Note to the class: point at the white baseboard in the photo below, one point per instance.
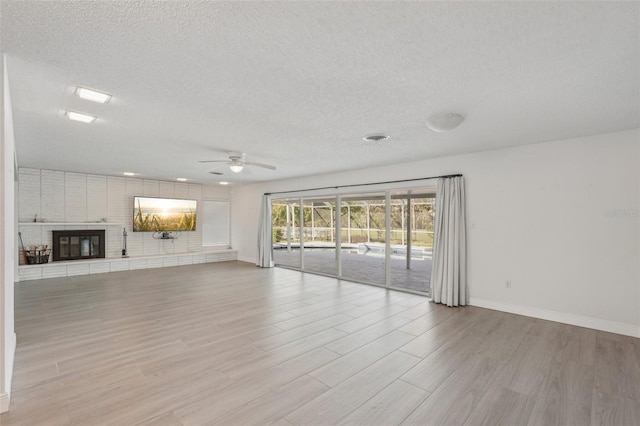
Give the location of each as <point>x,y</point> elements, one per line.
<point>4,402</point>
<point>246,259</point>
<point>5,397</point>
<point>578,320</point>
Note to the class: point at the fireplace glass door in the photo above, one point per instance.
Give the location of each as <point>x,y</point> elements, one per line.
<point>71,245</point>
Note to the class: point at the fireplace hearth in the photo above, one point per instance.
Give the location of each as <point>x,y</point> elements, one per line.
<point>78,244</point>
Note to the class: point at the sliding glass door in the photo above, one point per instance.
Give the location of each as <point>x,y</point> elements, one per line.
<point>319,231</point>
<point>285,232</point>
<point>384,238</point>
<point>364,237</point>
<point>411,240</point>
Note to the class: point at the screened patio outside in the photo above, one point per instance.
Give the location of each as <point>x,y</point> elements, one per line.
<point>362,221</point>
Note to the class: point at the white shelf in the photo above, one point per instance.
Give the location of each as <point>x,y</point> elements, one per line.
<point>68,223</point>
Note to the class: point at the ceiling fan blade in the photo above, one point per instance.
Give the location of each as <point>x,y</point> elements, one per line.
<point>215,161</point>
<point>218,168</point>
<point>264,166</point>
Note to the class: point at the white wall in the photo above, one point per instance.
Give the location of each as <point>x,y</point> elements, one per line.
<point>7,242</point>
<point>538,215</point>
<point>57,196</point>
<point>4,391</point>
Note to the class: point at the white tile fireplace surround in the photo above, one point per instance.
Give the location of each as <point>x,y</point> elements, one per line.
<point>76,201</point>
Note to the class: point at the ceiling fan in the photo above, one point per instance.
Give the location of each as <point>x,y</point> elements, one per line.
<point>237,162</point>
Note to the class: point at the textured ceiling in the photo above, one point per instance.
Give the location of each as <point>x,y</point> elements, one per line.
<point>298,84</point>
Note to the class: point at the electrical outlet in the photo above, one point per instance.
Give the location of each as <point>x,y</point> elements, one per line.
<point>507,284</point>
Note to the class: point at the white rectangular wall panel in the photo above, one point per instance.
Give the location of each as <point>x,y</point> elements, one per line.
<point>155,262</point>
<point>119,265</point>
<point>167,189</point>
<point>171,261</point>
<point>78,268</point>
<point>99,267</point>
<point>117,202</point>
<point>54,271</point>
<point>151,188</point>
<point>53,199</point>
<point>97,198</point>
<point>75,197</point>
<point>138,264</point>
<point>29,205</point>
<point>181,190</point>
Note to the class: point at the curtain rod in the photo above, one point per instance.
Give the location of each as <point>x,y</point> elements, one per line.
<point>364,184</point>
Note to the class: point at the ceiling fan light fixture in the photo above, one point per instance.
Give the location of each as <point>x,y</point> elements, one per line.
<point>444,122</point>
<point>237,162</point>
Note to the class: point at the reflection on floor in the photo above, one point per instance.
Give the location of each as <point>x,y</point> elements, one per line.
<point>361,267</point>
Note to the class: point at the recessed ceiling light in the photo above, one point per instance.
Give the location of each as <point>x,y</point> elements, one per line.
<point>444,122</point>
<point>83,118</point>
<point>128,173</point>
<point>182,179</point>
<point>92,95</point>
<point>376,137</point>
<point>224,183</point>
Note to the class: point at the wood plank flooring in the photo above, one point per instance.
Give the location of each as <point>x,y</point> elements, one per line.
<point>232,344</point>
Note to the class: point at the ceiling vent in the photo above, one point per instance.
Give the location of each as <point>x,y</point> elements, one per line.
<point>376,137</point>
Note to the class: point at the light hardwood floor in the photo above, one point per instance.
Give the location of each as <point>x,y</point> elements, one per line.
<point>232,344</point>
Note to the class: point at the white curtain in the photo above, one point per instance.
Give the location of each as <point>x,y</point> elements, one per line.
<point>265,246</point>
<point>449,270</point>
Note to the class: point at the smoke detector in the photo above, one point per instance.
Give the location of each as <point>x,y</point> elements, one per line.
<point>444,122</point>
